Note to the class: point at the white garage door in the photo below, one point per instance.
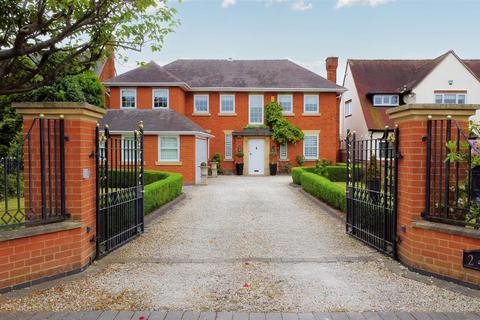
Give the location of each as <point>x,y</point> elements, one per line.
<point>200,156</point>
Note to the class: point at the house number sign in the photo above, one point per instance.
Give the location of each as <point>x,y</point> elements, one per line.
<point>471,259</point>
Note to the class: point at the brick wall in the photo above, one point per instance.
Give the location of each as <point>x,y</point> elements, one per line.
<point>31,254</point>
<point>432,251</point>
<point>326,122</point>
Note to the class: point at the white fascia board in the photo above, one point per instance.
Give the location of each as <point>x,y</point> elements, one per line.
<point>146,84</point>
<point>236,89</point>
<point>168,133</point>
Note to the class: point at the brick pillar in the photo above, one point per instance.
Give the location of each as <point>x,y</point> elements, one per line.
<point>414,248</point>
<point>80,178</point>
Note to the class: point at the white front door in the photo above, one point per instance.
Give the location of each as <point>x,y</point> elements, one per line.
<point>256,156</point>
<point>200,156</point>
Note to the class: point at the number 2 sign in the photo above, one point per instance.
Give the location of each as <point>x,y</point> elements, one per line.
<point>471,259</point>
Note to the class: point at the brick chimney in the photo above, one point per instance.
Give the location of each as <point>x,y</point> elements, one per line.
<point>331,64</point>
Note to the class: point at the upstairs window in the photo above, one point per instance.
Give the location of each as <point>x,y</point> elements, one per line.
<point>348,108</point>
<point>386,100</point>
<point>255,109</point>
<point>160,98</point>
<point>227,103</point>
<point>201,103</point>
<point>310,103</point>
<point>450,98</point>
<point>286,102</point>
<point>128,98</point>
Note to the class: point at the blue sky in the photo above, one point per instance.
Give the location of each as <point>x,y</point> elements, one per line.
<point>307,31</point>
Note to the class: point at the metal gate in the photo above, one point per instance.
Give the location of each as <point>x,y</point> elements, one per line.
<point>372,189</point>
<point>119,166</point>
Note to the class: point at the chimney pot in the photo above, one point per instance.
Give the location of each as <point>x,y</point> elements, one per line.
<point>331,64</point>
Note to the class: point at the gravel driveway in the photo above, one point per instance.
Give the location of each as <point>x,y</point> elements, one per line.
<point>245,244</point>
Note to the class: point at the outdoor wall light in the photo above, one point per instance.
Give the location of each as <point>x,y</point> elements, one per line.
<point>450,82</point>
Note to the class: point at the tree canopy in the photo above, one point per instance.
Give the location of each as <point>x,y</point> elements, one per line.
<point>42,41</point>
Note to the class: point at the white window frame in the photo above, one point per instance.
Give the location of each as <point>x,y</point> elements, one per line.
<point>134,95</point>
<point>220,102</point>
<point>291,102</point>
<point>283,156</point>
<point>305,103</point>
<point>229,149</point>
<point>316,135</point>
<point>249,109</point>
<point>129,158</point>
<point>442,94</point>
<point>386,104</point>
<point>153,98</point>
<point>195,97</point>
<point>347,109</point>
<point>160,149</point>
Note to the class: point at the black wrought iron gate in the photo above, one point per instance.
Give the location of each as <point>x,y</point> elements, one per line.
<point>119,163</point>
<point>372,189</point>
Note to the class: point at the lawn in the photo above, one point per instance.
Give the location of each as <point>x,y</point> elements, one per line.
<point>12,207</point>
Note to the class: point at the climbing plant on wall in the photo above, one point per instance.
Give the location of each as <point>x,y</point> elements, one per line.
<point>283,131</point>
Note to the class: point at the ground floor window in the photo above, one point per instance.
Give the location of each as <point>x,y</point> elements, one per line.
<point>283,152</point>
<point>310,146</point>
<point>129,149</point>
<point>228,146</point>
<point>168,148</point>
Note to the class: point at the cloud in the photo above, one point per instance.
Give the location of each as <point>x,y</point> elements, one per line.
<point>228,3</point>
<point>301,5</point>
<point>269,3</point>
<point>349,3</point>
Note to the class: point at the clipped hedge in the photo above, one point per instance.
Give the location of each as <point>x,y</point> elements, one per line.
<point>324,189</point>
<point>298,171</point>
<point>162,191</point>
<point>336,173</point>
<point>159,187</point>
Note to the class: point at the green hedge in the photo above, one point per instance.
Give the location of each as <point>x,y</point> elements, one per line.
<point>324,189</point>
<point>336,173</point>
<point>160,187</point>
<point>162,191</point>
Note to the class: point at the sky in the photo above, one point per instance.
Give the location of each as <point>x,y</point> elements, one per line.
<point>308,31</point>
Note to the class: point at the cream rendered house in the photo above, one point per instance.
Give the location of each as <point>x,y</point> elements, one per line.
<point>377,85</point>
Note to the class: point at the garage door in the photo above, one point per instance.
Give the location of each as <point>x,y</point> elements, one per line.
<point>200,156</point>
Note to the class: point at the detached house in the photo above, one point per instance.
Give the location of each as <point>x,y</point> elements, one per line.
<point>192,109</point>
<point>377,85</point>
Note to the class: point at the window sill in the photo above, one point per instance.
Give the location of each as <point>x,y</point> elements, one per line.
<point>168,163</point>
<point>447,228</point>
<point>227,114</point>
<point>158,108</point>
<point>38,230</point>
<point>311,159</point>
<point>228,160</point>
<point>288,114</point>
<point>283,160</point>
<point>201,114</point>
<point>312,114</point>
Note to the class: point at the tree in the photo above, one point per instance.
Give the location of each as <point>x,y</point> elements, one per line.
<point>45,40</point>
<point>283,131</point>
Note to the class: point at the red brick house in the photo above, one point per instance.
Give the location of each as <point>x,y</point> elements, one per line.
<point>193,109</point>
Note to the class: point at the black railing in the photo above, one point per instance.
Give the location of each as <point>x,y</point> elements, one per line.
<point>32,177</point>
<point>452,174</point>
<point>372,189</point>
<point>120,179</point>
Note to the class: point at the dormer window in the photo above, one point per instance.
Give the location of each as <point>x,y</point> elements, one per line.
<point>386,100</point>
<point>450,98</point>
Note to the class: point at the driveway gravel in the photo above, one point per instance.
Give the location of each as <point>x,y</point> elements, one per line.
<point>244,244</point>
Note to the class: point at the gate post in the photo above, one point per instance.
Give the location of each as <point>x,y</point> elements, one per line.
<point>419,246</point>
<point>79,125</point>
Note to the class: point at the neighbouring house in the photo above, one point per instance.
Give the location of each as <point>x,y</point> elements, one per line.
<point>375,86</point>
<point>192,109</point>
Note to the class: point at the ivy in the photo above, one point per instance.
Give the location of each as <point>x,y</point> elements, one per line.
<point>283,131</point>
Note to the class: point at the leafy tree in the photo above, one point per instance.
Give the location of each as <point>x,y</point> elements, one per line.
<point>42,41</point>
<point>283,131</point>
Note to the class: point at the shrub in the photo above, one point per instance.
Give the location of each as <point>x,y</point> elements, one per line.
<point>298,171</point>
<point>324,189</point>
<point>159,187</point>
<point>300,160</point>
<point>341,164</point>
<point>336,173</point>
<point>162,191</point>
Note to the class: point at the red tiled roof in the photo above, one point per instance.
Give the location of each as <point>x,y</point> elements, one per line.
<point>392,77</point>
